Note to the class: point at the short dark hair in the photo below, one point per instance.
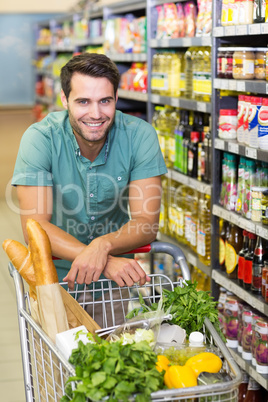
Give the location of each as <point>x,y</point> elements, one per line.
<point>92,64</point>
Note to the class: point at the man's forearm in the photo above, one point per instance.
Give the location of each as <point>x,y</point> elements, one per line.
<point>135,233</point>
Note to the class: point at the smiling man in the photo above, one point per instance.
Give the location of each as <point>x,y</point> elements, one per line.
<point>90,175</point>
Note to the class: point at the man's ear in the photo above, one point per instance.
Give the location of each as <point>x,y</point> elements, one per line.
<point>116,96</point>
<point>63,99</point>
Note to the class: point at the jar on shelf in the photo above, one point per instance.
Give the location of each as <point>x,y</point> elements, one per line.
<point>228,71</point>
<point>264,208</point>
<point>260,63</point>
<point>228,124</point>
<point>256,203</point>
<point>221,62</point>
<point>243,63</point>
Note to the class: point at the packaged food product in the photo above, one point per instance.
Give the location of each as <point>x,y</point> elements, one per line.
<point>243,63</point>
<point>228,72</point>
<point>247,102</point>
<point>221,61</point>
<point>263,125</point>
<point>171,20</point>
<point>256,197</point>
<point>264,208</point>
<point>255,105</point>
<point>260,63</point>
<point>247,334</point>
<point>240,118</point>
<point>228,123</point>
<point>231,320</point>
<point>261,329</point>
<point>246,12</point>
<point>190,13</point>
<point>256,317</point>
<point>224,12</point>
<point>180,20</point>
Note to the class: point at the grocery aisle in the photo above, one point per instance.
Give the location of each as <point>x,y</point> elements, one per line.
<point>13,123</point>
<point>11,376</point>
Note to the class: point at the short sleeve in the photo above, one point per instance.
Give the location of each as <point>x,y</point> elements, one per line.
<point>33,164</point>
<point>148,160</point>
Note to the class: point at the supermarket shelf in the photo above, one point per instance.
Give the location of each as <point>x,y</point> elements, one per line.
<point>63,48</point>
<point>183,103</point>
<point>128,57</point>
<point>45,100</point>
<point>190,256</point>
<point>236,148</point>
<point>257,86</point>
<point>44,71</point>
<point>181,42</point>
<point>241,30</point>
<point>236,219</point>
<point>203,188</point>
<point>233,286</point>
<point>123,6</point>
<point>134,95</point>
<point>88,41</point>
<point>247,366</point>
<point>42,48</point>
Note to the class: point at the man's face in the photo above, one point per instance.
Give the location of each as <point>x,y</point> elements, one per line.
<point>91,107</point>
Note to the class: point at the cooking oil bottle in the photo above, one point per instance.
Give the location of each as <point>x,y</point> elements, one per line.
<point>174,74</point>
<point>172,210</point>
<point>189,197</point>
<point>155,79</point>
<point>163,71</point>
<point>202,74</point>
<point>194,219</point>
<point>188,58</point>
<point>204,229</point>
<point>180,209</point>
<point>182,76</point>
<point>173,120</point>
<point>161,130</point>
<point>163,216</point>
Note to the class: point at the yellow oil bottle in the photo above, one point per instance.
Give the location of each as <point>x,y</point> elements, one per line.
<point>172,209</point>
<point>163,216</point>
<point>204,229</point>
<point>193,200</point>
<point>180,207</point>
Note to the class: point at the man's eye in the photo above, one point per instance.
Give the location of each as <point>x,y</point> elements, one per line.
<point>83,102</point>
<point>104,101</point>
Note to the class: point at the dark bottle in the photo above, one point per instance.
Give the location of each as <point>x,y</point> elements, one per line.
<point>241,258</point>
<point>259,11</point>
<point>222,239</point>
<point>243,387</point>
<point>233,246</point>
<point>248,261</point>
<point>257,265</point>
<point>207,151</point>
<point>193,154</point>
<point>254,392</point>
<point>201,158</point>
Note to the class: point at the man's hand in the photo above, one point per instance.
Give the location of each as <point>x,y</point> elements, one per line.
<point>89,264</point>
<point>125,271</point>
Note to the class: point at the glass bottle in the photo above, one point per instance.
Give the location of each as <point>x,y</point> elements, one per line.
<point>222,238</point>
<point>248,261</point>
<point>241,258</point>
<point>259,8</point>
<point>207,154</point>
<point>243,387</point>
<point>233,246</point>
<point>186,141</point>
<point>254,392</point>
<point>220,308</point>
<point>257,265</point>
<point>193,154</point>
<point>204,229</point>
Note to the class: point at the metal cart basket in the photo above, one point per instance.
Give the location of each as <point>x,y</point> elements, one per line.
<point>46,370</point>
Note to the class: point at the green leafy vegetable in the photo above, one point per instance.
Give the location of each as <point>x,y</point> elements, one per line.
<point>188,306</point>
<point>113,370</point>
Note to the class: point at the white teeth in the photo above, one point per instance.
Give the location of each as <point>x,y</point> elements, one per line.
<point>93,124</point>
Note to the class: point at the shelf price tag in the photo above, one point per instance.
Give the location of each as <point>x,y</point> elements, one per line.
<point>218,31</point>
<point>164,43</point>
<point>186,42</point>
<point>234,218</point>
<point>230,31</point>
<point>241,30</point>
<point>232,85</point>
<point>241,86</point>
<point>233,147</point>
<point>201,107</point>
<point>224,84</point>
<point>264,28</point>
<point>262,232</point>
<point>206,41</point>
<point>155,98</point>
<point>219,144</point>
<point>251,152</point>
<point>216,83</point>
<point>250,226</point>
<point>216,210</point>
<point>267,88</point>
<point>254,29</point>
<point>175,102</point>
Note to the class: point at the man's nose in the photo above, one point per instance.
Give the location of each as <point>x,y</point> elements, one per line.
<point>94,111</point>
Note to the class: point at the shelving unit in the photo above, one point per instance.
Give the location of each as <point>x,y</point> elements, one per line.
<point>220,35</point>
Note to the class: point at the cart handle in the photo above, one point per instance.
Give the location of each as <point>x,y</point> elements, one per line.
<point>167,248</point>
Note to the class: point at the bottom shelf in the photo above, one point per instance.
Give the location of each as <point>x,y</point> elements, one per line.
<point>247,366</point>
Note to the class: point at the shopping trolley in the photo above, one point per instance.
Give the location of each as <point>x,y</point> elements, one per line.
<point>46,370</point>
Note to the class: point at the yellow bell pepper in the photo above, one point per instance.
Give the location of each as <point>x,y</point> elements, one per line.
<point>162,363</point>
<point>180,377</point>
<point>206,361</point>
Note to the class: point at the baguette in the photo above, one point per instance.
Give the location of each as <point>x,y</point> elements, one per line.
<point>40,248</point>
<point>20,257</point>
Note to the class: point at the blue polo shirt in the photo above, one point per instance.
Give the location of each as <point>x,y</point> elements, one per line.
<point>89,198</point>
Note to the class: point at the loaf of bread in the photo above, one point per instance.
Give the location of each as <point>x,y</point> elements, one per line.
<point>20,257</point>
<point>40,248</point>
